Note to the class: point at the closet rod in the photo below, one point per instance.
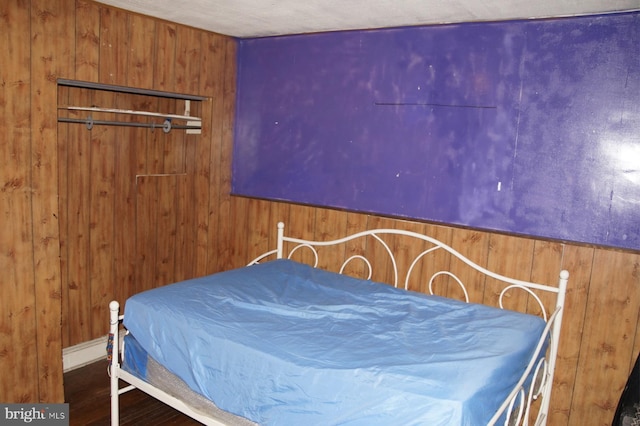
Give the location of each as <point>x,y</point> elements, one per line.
<point>131,112</point>
<point>166,126</point>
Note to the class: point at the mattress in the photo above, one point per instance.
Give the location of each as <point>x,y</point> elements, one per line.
<point>136,361</point>
<point>282,343</point>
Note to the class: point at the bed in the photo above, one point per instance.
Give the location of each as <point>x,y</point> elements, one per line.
<point>284,341</point>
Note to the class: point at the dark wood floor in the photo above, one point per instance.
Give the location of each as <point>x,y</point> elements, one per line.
<point>87,392</point>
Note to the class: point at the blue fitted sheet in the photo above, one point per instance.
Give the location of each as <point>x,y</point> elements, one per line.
<point>282,343</point>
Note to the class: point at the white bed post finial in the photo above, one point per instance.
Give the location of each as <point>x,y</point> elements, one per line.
<point>280,245</point>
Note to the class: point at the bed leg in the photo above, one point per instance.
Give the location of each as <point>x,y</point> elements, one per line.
<point>115,410</point>
<point>114,367</point>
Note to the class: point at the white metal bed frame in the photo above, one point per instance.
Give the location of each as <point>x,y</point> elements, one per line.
<point>518,404</point>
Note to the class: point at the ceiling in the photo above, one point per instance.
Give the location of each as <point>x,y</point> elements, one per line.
<point>258,18</point>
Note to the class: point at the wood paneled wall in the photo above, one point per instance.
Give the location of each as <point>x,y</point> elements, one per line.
<point>87,215</point>
<point>105,213</point>
<point>29,260</point>
<point>137,205</point>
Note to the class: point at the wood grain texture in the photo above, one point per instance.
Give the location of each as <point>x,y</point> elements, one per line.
<point>75,283</point>
<point>609,329</point>
<point>138,211</point>
<point>87,40</point>
<point>17,323</point>
<point>355,222</point>
<point>63,220</point>
<point>49,21</point>
<point>475,246</point>
<point>223,205</point>
<point>578,261</point>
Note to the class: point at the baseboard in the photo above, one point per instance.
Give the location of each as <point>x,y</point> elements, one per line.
<point>84,353</point>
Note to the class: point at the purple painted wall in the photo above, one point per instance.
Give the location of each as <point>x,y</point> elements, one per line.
<point>530,127</point>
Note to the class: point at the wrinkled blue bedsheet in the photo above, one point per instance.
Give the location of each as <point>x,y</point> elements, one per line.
<point>282,343</point>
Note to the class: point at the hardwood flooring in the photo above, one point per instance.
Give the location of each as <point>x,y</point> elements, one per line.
<point>86,390</point>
